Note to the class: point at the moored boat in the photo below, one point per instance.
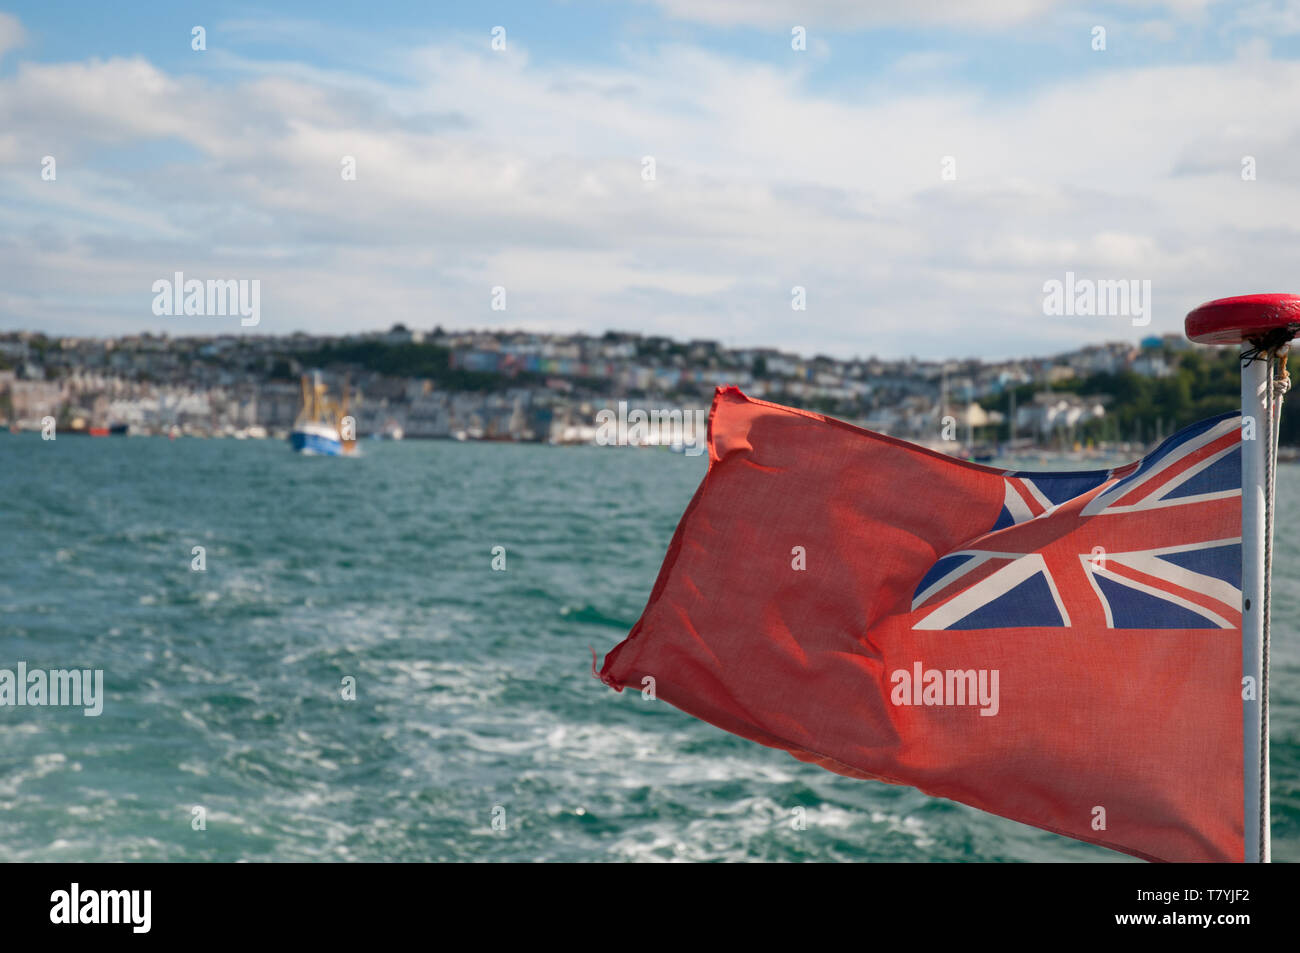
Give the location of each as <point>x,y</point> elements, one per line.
<point>319,428</point>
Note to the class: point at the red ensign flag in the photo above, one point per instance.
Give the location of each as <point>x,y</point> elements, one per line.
<point>1062,649</point>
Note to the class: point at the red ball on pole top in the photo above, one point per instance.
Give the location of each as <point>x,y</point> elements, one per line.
<point>1245,318</point>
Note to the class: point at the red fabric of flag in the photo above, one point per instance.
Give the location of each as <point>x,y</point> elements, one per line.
<point>1060,649</point>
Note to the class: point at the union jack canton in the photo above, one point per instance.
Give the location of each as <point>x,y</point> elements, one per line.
<point>1154,544</point>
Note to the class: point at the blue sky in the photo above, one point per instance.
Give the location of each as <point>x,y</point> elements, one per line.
<point>523,168</point>
<point>1006,56</point>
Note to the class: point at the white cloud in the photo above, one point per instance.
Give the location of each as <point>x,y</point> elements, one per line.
<point>853,14</point>
<point>12,35</point>
<point>1276,17</point>
<point>856,13</point>
<point>476,169</point>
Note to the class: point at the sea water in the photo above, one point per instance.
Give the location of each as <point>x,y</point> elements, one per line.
<point>474,730</point>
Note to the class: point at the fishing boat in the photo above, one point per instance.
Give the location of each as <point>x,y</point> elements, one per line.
<point>318,427</point>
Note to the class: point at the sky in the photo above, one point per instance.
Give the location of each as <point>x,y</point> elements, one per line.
<point>921,169</point>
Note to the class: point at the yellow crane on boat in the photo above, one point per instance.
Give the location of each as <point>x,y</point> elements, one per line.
<point>323,425</point>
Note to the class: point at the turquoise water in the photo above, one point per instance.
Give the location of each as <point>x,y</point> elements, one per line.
<point>474,688</point>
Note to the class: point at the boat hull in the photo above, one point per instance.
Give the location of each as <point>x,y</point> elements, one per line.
<point>316,440</point>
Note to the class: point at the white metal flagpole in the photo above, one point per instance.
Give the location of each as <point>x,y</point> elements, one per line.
<point>1263,325</point>
<point>1254,452</point>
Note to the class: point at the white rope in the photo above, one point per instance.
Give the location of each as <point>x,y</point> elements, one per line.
<point>1279,382</point>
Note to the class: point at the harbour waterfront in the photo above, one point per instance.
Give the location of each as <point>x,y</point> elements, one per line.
<point>474,698</point>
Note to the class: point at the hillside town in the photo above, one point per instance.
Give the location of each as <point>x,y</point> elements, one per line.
<point>524,386</point>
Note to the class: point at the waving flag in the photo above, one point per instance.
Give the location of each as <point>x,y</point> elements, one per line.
<point>1062,649</point>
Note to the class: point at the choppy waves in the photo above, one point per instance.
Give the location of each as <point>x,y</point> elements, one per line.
<point>476,733</point>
